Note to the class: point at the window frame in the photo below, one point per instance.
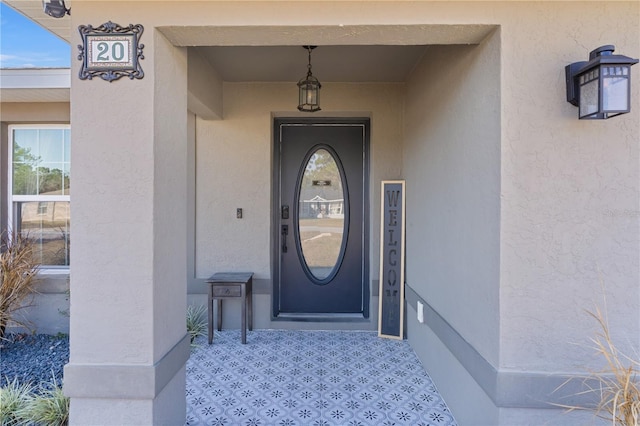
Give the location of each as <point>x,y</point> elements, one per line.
<point>13,199</point>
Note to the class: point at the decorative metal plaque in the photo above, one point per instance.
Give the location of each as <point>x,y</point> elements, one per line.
<point>391,313</point>
<point>110,51</point>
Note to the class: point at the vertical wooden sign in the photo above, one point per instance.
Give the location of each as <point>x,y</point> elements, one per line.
<point>392,231</point>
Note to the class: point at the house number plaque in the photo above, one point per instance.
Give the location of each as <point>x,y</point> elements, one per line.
<point>392,231</point>
<point>110,51</point>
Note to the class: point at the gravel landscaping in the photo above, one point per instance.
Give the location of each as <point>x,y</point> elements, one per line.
<point>33,358</point>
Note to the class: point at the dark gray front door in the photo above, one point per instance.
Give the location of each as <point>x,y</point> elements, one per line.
<point>321,218</point>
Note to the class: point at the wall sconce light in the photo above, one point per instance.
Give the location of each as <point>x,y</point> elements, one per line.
<point>55,8</point>
<point>309,89</point>
<point>600,87</point>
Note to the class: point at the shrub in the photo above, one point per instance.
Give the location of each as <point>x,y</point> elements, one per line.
<point>17,277</point>
<point>49,407</point>
<point>196,321</point>
<point>14,398</point>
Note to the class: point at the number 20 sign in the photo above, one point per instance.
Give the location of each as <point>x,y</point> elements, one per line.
<point>107,50</point>
<point>110,51</point>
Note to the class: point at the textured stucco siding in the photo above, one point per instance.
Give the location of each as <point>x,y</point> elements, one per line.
<point>570,191</point>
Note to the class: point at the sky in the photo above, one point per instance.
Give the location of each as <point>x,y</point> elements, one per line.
<point>24,44</point>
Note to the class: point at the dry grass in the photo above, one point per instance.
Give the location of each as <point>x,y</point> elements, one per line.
<point>17,277</point>
<point>617,386</point>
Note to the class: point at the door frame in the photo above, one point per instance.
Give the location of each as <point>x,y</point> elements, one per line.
<point>275,218</point>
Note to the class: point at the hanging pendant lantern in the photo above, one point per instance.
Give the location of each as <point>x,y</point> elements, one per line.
<point>309,89</point>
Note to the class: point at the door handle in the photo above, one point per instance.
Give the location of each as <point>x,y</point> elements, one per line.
<point>285,232</point>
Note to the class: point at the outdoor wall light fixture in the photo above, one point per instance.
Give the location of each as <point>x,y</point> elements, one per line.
<point>55,8</point>
<point>309,89</point>
<point>600,87</point>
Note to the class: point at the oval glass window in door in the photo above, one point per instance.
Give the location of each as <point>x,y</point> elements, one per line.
<point>322,208</point>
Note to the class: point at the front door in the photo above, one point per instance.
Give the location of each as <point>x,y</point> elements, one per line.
<point>321,270</point>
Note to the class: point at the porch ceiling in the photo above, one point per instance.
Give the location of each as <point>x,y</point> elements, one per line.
<point>330,63</point>
<point>346,53</point>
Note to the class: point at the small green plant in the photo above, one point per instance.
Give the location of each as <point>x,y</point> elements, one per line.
<point>14,397</point>
<point>196,321</point>
<point>18,269</point>
<point>49,407</point>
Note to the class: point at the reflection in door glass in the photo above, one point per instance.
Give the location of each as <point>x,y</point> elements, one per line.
<point>321,214</point>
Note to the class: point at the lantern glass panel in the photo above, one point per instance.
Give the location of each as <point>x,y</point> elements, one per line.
<point>589,98</point>
<point>302,95</point>
<point>311,95</point>
<point>615,90</point>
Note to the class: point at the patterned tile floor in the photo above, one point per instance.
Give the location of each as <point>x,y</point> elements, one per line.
<point>316,378</point>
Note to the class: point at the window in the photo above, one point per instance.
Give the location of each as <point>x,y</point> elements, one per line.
<point>39,182</point>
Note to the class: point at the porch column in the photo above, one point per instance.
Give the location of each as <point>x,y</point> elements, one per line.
<point>128,282</point>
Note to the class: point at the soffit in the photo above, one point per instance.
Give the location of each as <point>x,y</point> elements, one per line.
<point>32,9</point>
<point>35,85</point>
<point>35,95</point>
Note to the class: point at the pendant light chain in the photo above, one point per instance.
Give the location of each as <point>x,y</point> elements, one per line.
<point>309,65</point>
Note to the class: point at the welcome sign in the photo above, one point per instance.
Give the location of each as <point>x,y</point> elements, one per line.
<point>392,232</point>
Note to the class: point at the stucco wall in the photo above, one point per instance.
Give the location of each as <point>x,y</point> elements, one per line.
<point>47,311</point>
<point>567,192</point>
<point>452,168</point>
<point>35,112</point>
<point>570,190</point>
<point>233,164</point>
<point>128,287</point>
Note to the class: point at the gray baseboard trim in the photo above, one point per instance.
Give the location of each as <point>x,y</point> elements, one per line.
<point>122,381</point>
<point>507,389</point>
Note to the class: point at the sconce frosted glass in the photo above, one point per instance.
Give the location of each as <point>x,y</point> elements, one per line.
<point>600,87</point>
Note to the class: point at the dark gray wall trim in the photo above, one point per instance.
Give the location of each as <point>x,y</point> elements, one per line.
<point>125,381</point>
<point>479,368</point>
<point>506,389</point>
